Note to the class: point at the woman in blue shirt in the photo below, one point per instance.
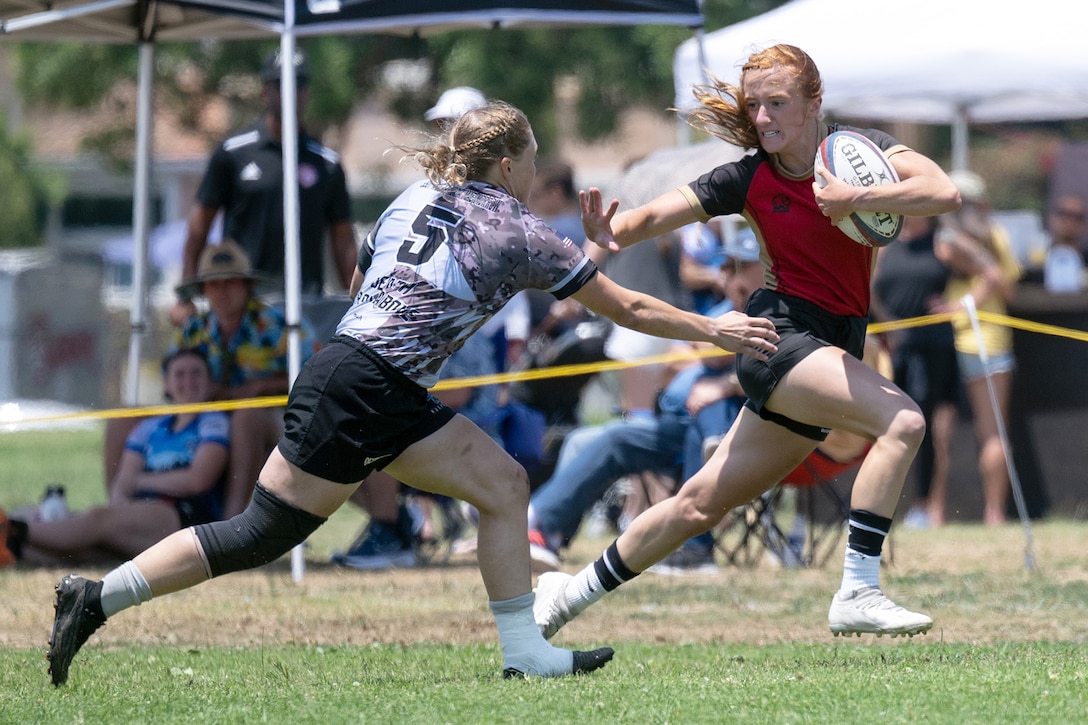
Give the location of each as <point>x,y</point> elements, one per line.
<point>170,477</point>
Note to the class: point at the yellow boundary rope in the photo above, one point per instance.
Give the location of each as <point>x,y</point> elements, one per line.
<point>558,371</point>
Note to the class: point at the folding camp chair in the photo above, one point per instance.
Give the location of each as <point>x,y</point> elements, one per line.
<point>799,522</point>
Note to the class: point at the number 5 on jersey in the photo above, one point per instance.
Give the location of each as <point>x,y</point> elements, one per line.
<point>432,229</point>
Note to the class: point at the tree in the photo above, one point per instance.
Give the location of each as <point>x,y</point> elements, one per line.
<point>26,194</point>
<point>610,69</point>
<point>187,76</point>
<point>614,68</point>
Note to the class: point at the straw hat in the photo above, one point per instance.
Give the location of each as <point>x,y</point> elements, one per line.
<point>226,260</point>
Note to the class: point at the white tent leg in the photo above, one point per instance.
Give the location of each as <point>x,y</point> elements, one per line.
<point>140,222</point>
<point>960,139</point>
<point>292,254</point>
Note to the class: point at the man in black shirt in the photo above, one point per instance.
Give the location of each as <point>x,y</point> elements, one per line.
<point>244,179</point>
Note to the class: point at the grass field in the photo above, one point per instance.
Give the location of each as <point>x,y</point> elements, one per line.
<point>419,646</point>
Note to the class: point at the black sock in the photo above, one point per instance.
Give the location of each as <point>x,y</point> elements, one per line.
<point>93,602</point>
<point>867,532</point>
<point>611,570</point>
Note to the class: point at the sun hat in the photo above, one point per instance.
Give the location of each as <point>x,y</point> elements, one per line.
<point>226,260</point>
<point>454,103</point>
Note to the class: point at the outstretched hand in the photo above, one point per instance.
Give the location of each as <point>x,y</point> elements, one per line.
<point>744,335</point>
<point>596,221</point>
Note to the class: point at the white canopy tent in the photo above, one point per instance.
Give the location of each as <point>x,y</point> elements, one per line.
<point>952,62</point>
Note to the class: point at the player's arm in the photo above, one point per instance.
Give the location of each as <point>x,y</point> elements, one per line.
<point>364,255</point>
<point>923,190</point>
<point>614,231</point>
<point>733,331</point>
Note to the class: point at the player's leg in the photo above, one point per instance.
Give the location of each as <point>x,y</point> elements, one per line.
<point>285,509</point>
<point>845,393</point>
<point>461,461</point>
<point>740,469</point>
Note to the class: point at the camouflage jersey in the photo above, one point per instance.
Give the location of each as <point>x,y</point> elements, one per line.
<point>443,261</point>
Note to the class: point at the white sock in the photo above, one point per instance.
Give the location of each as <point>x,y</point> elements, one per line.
<point>523,647</point>
<point>122,588</point>
<point>859,571</point>
<point>583,589</point>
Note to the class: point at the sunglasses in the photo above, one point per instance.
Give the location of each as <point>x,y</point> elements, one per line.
<point>1070,214</point>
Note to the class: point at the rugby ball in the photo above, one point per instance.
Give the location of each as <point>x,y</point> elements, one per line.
<point>853,158</point>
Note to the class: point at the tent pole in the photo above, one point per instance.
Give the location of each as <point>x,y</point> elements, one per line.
<point>45,17</point>
<point>140,217</point>
<point>292,267</point>
<point>960,139</point>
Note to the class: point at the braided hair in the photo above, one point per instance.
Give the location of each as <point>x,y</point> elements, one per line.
<point>476,141</point>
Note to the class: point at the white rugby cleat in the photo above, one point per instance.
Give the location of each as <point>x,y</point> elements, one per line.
<point>868,611</point>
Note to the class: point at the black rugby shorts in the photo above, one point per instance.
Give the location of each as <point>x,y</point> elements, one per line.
<point>350,413</point>
<point>803,328</point>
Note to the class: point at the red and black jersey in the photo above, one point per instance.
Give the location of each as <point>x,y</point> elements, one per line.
<point>804,255</point>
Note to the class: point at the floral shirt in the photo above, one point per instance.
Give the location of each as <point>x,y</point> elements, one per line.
<point>258,350</point>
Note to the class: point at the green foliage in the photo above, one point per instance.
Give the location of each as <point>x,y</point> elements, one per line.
<point>27,192</point>
<point>615,68</point>
<point>187,75</point>
<point>74,75</point>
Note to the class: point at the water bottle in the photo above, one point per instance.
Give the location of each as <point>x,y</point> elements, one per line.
<point>54,505</point>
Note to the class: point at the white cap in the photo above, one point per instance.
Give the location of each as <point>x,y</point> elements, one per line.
<point>454,103</point>
<point>971,186</point>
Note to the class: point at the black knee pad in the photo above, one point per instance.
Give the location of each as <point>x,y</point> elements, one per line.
<point>265,531</point>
